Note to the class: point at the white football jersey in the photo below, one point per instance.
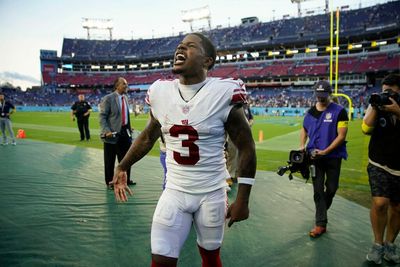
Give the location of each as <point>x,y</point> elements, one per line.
<point>194,131</point>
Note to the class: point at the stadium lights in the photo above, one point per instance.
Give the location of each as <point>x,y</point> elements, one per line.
<point>95,67</point>
<point>229,57</point>
<point>166,63</point>
<point>108,67</point>
<point>255,54</point>
<point>291,52</point>
<point>354,46</point>
<point>241,54</point>
<point>311,50</point>
<point>144,65</point>
<point>155,64</point>
<point>375,43</point>
<point>67,66</point>
<point>120,67</point>
<point>328,48</point>
<point>273,53</point>
<point>97,23</point>
<point>195,14</point>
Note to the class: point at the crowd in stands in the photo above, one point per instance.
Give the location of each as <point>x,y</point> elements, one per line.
<point>306,28</point>
<point>45,98</point>
<point>303,97</point>
<point>258,97</point>
<point>245,70</point>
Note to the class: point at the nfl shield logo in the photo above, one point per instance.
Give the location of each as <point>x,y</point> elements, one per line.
<point>328,116</point>
<point>185,109</point>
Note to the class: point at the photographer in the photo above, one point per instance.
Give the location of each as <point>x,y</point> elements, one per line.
<point>382,122</point>
<point>325,128</point>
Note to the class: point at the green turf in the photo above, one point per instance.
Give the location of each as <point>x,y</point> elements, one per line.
<point>281,134</point>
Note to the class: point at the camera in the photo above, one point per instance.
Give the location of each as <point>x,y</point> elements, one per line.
<point>381,99</point>
<point>297,156</point>
<point>299,161</point>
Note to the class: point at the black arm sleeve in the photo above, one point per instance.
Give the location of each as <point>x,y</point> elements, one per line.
<point>343,115</point>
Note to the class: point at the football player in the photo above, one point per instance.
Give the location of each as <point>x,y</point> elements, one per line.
<point>193,113</point>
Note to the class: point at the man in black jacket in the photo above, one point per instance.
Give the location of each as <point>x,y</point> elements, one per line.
<point>81,110</point>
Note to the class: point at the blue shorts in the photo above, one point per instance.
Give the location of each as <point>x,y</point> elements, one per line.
<point>383,184</point>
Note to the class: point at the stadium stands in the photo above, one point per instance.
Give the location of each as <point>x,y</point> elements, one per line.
<point>94,64</point>
<point>353,22</point>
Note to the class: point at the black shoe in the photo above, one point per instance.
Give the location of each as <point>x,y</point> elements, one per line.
<point>130,182</point>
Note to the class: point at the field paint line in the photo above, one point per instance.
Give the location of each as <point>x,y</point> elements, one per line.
<point>354,170</point>
<point>279,121</point>
<point>52,128</point>
<point>61,128</point>
<point>286,142</point>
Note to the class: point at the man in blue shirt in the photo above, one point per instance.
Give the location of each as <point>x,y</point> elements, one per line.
<point>325,128</point>
<point>6,109</point>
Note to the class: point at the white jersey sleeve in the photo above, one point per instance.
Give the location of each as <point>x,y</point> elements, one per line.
<point>194,131</point>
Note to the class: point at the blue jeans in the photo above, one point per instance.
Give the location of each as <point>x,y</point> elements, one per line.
<point>6,123</point>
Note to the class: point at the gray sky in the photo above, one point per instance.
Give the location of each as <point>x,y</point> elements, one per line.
<point>30,25</point>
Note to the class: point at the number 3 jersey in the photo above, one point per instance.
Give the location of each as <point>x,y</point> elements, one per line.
<point>194,131</point>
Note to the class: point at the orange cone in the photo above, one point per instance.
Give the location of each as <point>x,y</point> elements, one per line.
<point>21,134</point>
<point>260,136</point>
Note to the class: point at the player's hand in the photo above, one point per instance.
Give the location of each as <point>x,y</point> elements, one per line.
<point>237,211</point>
<point>120,185</point>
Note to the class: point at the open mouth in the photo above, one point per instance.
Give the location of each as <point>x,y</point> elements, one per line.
<point>179,59</point>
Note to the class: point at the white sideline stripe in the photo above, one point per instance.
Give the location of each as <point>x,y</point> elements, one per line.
<point>51,128</point>
<point>61,129</point>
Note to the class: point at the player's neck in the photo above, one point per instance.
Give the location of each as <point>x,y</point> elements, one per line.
<point>188,80</point>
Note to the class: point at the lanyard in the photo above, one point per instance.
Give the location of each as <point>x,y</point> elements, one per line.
<point>3,105</point>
